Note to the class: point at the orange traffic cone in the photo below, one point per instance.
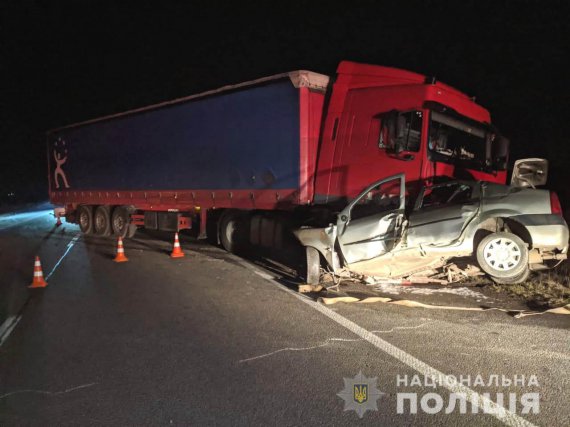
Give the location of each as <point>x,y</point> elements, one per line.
<point>176,250</point>
<point>120,252</point>
<point>38,281</point>
<point>58,223</point>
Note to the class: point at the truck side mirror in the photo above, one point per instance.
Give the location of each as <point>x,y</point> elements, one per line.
<point>400,142</point>
<point>400,127</point>
<point>388,131</point>
<point>394,133</point>
<point>500,153</point>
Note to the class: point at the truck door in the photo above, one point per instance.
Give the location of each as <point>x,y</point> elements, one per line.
<point>378,136</point>
<point>371,224</point>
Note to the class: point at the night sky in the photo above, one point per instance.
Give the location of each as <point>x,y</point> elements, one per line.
<point>66,62</point>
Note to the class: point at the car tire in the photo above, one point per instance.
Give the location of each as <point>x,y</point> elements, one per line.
<point>313,266</point>
<point>234,231</point>
<point>523,277</point>
<point>504,257</point>
<point>85,219</point>
<point>102,221</point>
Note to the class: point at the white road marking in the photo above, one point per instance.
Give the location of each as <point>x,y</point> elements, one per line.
<point>477,400</point>
<point>69,246</point>
<point>261,273</point>
<point>49,393</point>
<point>10,323</point>
<point>7,327</point>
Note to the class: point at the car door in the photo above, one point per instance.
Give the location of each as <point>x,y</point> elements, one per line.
<point>371,224</point>
<point>441,213</point>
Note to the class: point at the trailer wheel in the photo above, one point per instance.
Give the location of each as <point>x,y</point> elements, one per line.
<point>504,257</point>
<point>85,219</point>
<point>121,222</point>
<point>313,265</point>
<point>234,231</point>
<point>102,221</point>
<point>131,231</point>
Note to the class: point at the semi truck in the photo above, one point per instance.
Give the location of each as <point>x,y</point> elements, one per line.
<point>245,162</point>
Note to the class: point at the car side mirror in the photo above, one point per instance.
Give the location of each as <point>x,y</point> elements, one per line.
<point>530,172</point>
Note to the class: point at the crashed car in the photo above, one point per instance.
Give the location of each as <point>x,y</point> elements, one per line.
<point>387,232</point>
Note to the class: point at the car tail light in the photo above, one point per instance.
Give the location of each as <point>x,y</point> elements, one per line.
<point>555,206</point>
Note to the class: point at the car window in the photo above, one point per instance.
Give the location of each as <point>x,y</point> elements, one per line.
<point>384,197</point>
<point>446,194</point>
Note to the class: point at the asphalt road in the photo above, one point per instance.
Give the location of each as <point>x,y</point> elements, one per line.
<point>213,339</point>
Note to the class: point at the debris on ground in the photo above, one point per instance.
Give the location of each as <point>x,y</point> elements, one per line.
<point>444,275</point>
<point>305,288</point>
<point>517,314</point>
<point>461,291</point>
<point>547,290</point>
<point>457,274</point>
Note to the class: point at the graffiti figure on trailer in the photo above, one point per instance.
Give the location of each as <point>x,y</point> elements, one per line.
<point>60,160</point>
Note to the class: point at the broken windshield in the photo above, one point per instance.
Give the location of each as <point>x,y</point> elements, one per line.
<point>458,142</point>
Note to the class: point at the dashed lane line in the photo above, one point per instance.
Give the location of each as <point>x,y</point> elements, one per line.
<point>69,246</point>
<point>10,323</point>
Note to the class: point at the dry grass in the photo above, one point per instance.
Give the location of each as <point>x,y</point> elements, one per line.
<point>546,289</point>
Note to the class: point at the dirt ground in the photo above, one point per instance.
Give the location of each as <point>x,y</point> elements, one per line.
<point>546,289</point>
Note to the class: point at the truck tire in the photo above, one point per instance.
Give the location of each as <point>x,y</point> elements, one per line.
<point>85,219</point>
<point>102,221</point>
<point>121,221</point>
<point>504,257</point>
<point>313,265</point>
<point>234,231</point>
<point>131,231</point>
<point>213,227</point>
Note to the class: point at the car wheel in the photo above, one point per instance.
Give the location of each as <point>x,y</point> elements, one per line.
<point>504,257</point>
<point>313,266</point>
<point>85,219</point>
<point>102,221</point>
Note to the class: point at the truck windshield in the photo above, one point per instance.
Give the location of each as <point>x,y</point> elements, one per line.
<point>452,140</point>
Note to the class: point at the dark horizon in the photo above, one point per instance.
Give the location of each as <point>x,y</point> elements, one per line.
<point>69,63</point>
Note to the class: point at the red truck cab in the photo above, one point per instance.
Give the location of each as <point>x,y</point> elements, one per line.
<point>381,121</point>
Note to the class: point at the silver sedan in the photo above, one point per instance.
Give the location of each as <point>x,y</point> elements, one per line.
<point>510,230</point>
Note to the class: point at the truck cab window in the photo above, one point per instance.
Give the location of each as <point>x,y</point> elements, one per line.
<point>400,131</point>
<point>457,141</point>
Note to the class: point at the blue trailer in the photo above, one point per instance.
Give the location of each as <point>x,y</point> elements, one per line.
<point>168,166</point>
